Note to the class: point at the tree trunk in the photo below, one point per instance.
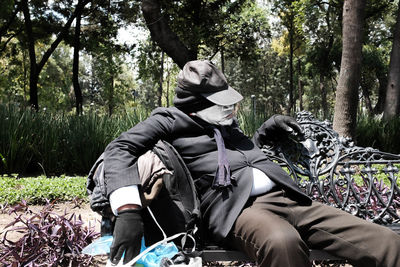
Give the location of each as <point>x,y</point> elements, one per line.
<point>380,104</point>
<point>111,96</point>
<point>168,80</point>
<point>162,34</point>
<point>366,95</point>
<point>291,107</point>
<point>300,84</point>
<point>75,67</point>
<point>324,101</point>
<point>160,88</point>
<point>222,60</point>
<point>36,68</point>
<point>392,103</point>
<point>344,120</point>
<point>33,76</point>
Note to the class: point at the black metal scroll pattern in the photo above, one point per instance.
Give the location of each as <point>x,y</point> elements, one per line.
<point>324,165</point>
<point>308,158</point>
<point>364,182</point>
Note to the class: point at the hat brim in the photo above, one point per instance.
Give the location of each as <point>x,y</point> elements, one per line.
<point>224,97</point>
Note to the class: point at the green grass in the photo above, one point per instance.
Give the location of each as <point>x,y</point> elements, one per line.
<point>35,190</point>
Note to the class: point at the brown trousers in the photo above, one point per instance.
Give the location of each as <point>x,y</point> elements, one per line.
<point>277,232</point>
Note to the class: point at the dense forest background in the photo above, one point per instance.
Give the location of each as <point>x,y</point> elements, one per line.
<point>338,59</point>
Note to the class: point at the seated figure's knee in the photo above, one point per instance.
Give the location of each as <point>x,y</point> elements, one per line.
<point>280,241</point>
<point>283,248</point>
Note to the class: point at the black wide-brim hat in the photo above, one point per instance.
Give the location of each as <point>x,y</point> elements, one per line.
<point>202,79</point>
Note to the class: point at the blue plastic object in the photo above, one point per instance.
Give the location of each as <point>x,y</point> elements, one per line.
<point>153,258</point>
<point>100,246</point>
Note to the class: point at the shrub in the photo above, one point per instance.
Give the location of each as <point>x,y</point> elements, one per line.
<point>378,133</point>
<point>249,122</point>
<point>52,144</point>
<point>37,190</point>
<point>48,239</point>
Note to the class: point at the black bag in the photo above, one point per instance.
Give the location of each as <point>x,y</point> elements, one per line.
<point>177,206</point>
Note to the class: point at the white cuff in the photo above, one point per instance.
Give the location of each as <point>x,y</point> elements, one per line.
<point>124,195</point>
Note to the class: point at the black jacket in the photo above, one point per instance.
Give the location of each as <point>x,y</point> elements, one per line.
<point>194,141</point>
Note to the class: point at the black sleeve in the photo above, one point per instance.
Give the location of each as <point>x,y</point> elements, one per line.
<point>120,156</point>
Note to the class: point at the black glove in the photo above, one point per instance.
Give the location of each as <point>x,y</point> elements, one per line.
<point>287,124</point>
<point>128,232</point>
<point>276,128</point>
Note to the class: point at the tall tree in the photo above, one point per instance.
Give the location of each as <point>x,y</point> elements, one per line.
<point>160,87</point>
<point>392,103</point>
<point>286,12</point>
<point>345,116</point>
<point>379,21</point>
<point>373,78</point>
<point>320,24</point>
<point>75,65</point>
<point>36,67</point>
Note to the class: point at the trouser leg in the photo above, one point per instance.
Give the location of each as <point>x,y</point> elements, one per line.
<point>269,239</point>
<point>363,243</point>
<point>275,231</point>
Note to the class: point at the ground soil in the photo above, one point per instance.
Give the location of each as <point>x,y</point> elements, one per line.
<point>90,219</point>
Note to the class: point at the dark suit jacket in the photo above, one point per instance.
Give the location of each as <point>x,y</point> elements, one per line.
<point>194,141</point>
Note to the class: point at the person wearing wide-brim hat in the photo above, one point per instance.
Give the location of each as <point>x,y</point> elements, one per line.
<point>247,201</point>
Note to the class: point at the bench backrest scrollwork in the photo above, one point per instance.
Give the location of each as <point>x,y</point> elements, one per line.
<point>332,169</point>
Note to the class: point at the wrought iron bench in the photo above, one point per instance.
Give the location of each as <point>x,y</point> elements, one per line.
<point>360,180</point>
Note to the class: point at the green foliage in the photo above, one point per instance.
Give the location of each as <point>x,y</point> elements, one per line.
<point>250,39</point>
<point>247,30</point>
<point>250,121</point>
<point>14,78</point>
<point>36,191</point>
<point>55,82</point>
<point>265,78</point>
<point>377,133</point>
<point>44,142</point>
<point>206,27</point>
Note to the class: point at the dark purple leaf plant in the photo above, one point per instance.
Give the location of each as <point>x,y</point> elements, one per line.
<point>46,238</point>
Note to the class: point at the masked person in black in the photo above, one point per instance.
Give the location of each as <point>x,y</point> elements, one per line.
<point>245,198</point>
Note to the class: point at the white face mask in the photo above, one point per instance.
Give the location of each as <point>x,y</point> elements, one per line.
<point>217,115</point>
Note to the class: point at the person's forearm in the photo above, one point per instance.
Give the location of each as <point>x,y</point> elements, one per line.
<point>120,156</point>
<point>125,198</point>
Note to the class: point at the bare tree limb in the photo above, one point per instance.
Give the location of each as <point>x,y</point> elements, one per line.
<point>162,34</point>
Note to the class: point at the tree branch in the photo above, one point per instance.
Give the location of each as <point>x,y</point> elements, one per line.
<point>162,34</point>
<point>5,27</point>
<point>8,40</point>
<point>81,4</point>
